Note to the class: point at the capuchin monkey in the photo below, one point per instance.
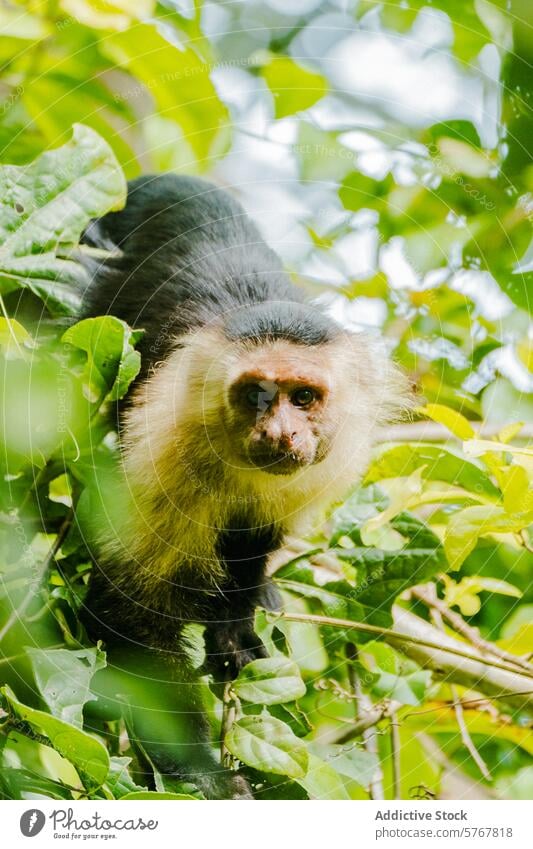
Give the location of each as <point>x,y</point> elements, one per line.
<point>252,413</point>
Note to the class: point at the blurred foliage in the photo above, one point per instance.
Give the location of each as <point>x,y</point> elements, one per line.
<point>384,150</point>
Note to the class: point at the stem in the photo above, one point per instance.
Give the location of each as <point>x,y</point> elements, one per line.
<point>228,718</point>
<point>471,670</point>
<point>395,745</point>
<point>363,704</point>
<point>372,716</point>
<point>18,612</point>
<point>468,743</point>
<point>397,636</point>
<point>428,596</point>
<point>421,641</point>
<point>465,735</point>
<point>434,432</point>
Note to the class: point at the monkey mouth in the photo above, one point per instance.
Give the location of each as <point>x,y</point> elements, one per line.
<point>279,463</point>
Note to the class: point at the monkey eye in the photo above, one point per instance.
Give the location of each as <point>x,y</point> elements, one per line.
<point>303,397</point>
<point>252,396</point>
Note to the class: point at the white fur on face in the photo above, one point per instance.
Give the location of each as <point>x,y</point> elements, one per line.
<point>185,478</point>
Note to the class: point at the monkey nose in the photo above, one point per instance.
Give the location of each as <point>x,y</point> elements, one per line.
<point>287,441</point>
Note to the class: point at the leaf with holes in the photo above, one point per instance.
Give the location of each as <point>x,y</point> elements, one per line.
<point>86,754</point>
<point>44,206</point>
<point>269,745</point>
<point>269,681</point>
<point>63,677</point>
<point>111,359</point>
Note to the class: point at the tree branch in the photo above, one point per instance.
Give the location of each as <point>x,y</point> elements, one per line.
<point>465,735</point>
<point>426,593</point>
<point>438,618</point>
<point>415,638</point>
<point>492,679</point>
<point>434,432</point>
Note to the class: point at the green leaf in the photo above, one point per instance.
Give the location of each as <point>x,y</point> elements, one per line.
<point>351,761</point>
<point>338,599</point>
<point>408,688</point>
<point>388,573</point>
<point>269,681</point>
<point>45,206</point>
<point>441,464</point>
<point>60,490</point>
<point>63,677</point>
<point>177,79</point>
<point>362,505</point>
<point>25,784</point>
<point>293,716</point>
<point>14,339</point>
<point>294,88</point>
<point>80,98</point>
<point>87,754</point>
<point>465,528</point>
<point>463,131</point>
<point>361,192</point>
<point>381,574</point>
<point>119,780</point>
<point>112,361</point>
<point>322,781</point>
<point>269,745</point>
<point>454,421</point>
<point>465,593</point>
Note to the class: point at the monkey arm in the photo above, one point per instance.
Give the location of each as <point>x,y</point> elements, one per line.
<point>230,639</point>
<point>162,701</point>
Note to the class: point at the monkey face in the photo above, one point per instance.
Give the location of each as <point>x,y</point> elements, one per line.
<point>279,415</point>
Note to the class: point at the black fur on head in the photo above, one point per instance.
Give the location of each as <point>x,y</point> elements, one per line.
<point>289,320</point>
<point>185,256</point>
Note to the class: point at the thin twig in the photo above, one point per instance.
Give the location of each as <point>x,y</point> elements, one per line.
<point>397,636</point>
<point>419,640</point>
<point>465,735</point>
<point>228,718</point>
<point>427,594</point>
<point>458,710</point>
<point>475,672</point>
<point>395,745</point>
<point>370,738</point>
<point>18,612</point>
<point>373,716</point>
<point>13,723</point>
<point>455,771</point>
<point>434,432</point>
<point>365,720</point>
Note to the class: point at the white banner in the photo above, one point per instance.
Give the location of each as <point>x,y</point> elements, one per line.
<point>268,825</point>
